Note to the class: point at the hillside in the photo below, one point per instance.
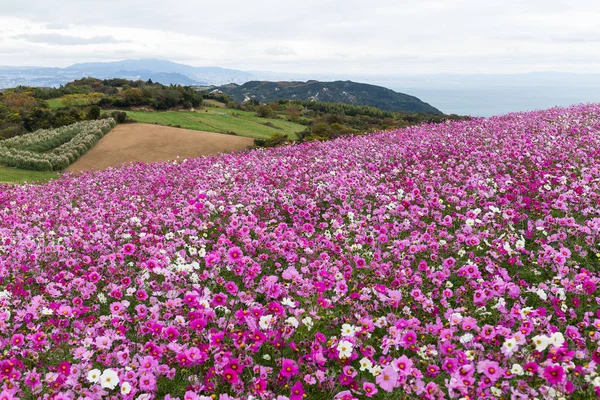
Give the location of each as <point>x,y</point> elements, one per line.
<point>437,261</point>
<point>346,92</point>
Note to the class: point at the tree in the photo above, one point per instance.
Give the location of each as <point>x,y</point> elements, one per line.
<point>133,96</point>
<point>264,111</point>
<point>293,113</point>
<point>94,112</point>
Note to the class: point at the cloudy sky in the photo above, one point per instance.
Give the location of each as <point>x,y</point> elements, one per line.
<point>309,36</point>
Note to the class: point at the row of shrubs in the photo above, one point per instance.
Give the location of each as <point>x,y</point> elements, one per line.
<point>53,149</point>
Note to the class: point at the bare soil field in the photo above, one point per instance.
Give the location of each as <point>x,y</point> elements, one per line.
<point>148,143</point>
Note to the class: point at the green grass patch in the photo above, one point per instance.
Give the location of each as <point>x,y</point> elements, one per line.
<point>15,175</point>
<point>220,120</point>
<point>55,103</point>
<point>213,103</point>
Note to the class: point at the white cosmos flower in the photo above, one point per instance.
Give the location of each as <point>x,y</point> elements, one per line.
<point>308,322</point>
<point>109,379</point>
<point>466,338</point>
<point>365,364</point>
<point>375,370</point>
<point>94,375</point>
<point>125,388</point>
<point>541,342</point>
<point>510,345</point>
<point>348,330</point>
<point>516,369</point>
<point>265,321</point>
<point>557,339</point>
<point>288,302</point>
<point>292,321</point>
<point>344,347</point>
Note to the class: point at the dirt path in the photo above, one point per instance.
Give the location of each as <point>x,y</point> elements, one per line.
<point>147,142</point>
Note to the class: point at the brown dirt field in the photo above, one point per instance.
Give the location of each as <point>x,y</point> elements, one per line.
<point>147,142</point>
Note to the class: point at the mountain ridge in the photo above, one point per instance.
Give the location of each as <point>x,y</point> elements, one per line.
<point>347,92</point>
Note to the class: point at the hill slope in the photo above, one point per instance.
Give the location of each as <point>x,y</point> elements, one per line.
<point>359,252</point>
<point>346,92</point>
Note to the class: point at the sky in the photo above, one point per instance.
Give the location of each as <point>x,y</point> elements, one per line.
<point>309,36</point>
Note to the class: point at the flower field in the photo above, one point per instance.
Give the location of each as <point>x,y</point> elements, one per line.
<point>53,149</point>
<point>456,260</point>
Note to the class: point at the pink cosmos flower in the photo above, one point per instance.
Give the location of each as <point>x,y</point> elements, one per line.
<point>370,389</point>
<point>387,379</point>
<point>230,375</point>
<point>128,249</point>
<point>491,369</point>
<point>234,254</point>
<point>297,391</point>
<point>289,368</point>
<point>403,365</point>
<point>17,340</point>
<point>171,334</point>
<point>147,382</point>
<point>554,374</point>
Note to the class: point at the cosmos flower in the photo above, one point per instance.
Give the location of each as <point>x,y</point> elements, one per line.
<point>109,379</point>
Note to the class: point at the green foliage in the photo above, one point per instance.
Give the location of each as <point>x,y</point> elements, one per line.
<point>26,109</point>
<point>275,140</point>
<point>265,111</point>
<point>53,149</point>
<point>347,92</point>
<point>123,93</point>
<point>330,120</point>
<point>94,112</point>
<point>21,112</point>
<point>119,116</point>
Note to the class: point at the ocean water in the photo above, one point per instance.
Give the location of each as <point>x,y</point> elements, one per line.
<point>487,95</point>
<point>485,102</point>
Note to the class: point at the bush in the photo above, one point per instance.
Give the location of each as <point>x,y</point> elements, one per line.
<point>119,116</point>
<point>53,149</point>
<point>264,111</point>
<point>275,140</point>
<point>94,112</point>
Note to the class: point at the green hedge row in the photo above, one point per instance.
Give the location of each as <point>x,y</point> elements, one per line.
<point>53,149</point>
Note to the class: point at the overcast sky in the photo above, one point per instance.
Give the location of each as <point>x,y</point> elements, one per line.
<point>309,36</point>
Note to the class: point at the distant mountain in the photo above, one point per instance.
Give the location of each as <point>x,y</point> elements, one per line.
<point>347,92</point>
<point>200,75</point>
<point>166,78</point>
<point>165,72</point>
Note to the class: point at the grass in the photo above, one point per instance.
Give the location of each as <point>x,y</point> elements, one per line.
<point>15,175</point>
<point>55,103</point>
<point>213,103</point>
<point>220,120</point>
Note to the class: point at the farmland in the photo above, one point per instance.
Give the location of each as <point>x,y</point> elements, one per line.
<point>454,260</point>
<point>150,143</point>
<point>220,120</point>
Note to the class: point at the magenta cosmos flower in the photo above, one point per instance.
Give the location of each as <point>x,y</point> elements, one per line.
<point>234,254</point>
<point>288,367</point>
<point>554,374</point>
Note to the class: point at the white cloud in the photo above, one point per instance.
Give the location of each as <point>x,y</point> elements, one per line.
<point>65,40</point>
<point>279,51</point>
<point>352,36</point>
